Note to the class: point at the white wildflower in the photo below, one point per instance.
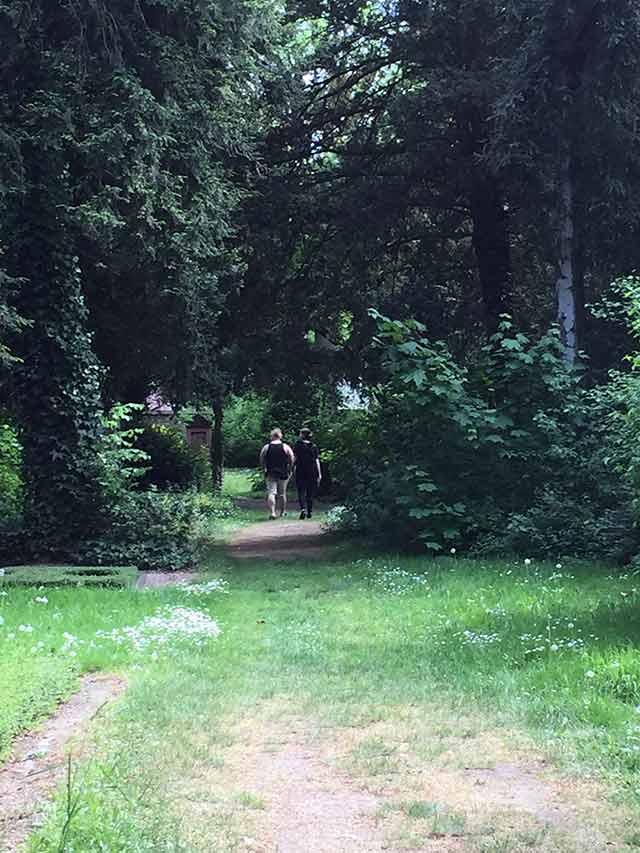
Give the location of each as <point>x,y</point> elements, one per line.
<point>590,673</point>
<point>527,561</point>
<point>41,599</point>
<point>206,588</point>
<point>168,625</point>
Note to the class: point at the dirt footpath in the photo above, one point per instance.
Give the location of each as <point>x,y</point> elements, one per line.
<point>281,539</point>
<point>39,759</point>
<point>288,783</point>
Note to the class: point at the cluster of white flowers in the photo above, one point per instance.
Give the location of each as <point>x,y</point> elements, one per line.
<point>167,627</point>
<point>474,638</point>
<point>471,638</point>
<point>70,643</point>
<point>548,644</point>
<point>41,599</point>
<point>396,580</point>
<point>498,611</point>
<point>340,518</point>
<point>560,634</point>
<point>205,588</point>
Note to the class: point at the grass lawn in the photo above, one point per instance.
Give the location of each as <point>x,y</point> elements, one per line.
<point>421,660</point>
<point>238,482</point>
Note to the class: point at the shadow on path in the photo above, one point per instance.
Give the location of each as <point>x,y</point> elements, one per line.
<point>279,540</point>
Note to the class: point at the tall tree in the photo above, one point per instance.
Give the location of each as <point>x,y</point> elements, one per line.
<point>567,115</point>
<point>135,129</point>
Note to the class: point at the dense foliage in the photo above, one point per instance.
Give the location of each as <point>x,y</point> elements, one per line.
<point>169,462</point>
<point>10,480</point>
<point>209,199</point>
<point>512,456</point>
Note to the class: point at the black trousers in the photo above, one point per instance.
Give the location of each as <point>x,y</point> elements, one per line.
<point>306,491</point>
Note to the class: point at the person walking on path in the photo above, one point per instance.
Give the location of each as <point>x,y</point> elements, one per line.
<point>276,459</point>
<point>308,471</point>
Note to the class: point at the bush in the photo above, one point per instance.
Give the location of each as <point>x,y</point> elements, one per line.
<point>152,530</point>
<point>244,430</point>
<point>347,448</point>
<point>59,575</point>
<point>515,456</point>
<point>121,462</point>
<point>10,474</point>
<point>11,495</point>
<point>563,524</point>
<point>158,531</point>
<point>171,463</point>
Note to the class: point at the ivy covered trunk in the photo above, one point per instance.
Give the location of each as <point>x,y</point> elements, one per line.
<point>58,383</point>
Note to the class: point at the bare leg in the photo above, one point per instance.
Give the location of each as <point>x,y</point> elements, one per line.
<point>271,503</point>
<point>271,500</point>
<point>283,499</point>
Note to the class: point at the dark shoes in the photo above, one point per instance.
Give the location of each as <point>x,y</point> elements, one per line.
<point>303,514</point>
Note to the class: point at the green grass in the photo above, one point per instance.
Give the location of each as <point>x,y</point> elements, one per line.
<point>57,575</point>
<point>238,482</point>
<point>353,641</point>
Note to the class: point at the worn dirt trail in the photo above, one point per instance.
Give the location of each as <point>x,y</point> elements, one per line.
<point>39,759</point>
<point>288,783</point>
<point>281,539</point>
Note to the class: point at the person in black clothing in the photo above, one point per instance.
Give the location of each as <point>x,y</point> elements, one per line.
<point>276,458</point>
<point>308,471</point>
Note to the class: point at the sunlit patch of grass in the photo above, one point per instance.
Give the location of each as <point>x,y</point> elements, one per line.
<point>238,482</point>
<point>356,641</point>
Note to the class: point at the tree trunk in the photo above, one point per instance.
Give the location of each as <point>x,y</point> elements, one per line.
<point>217,447</point>
<point>57,385</point>
<point>565,284</point>
<point>491,247</point>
